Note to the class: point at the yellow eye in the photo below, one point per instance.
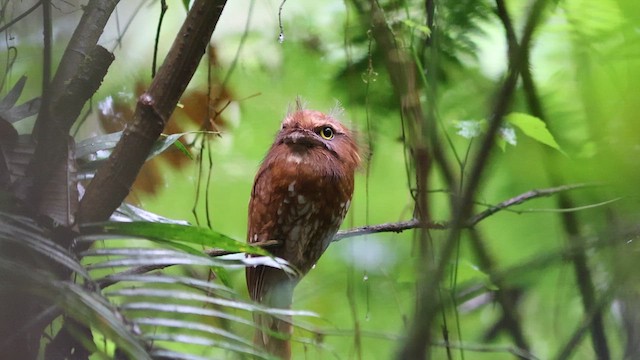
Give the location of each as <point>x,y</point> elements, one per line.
<point>327,132</point>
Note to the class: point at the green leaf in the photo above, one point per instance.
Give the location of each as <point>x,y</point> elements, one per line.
<point>423,29</point>
<point>14,94</point>
<point>178,144</point>
<point>174,233</point>
<point>203,341</point>
<point>468,271</point>
<point>534,128</point>
<point>165,142</point>
<point>155,257</point>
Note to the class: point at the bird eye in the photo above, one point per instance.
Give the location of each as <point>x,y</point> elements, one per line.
<point>327,132</point>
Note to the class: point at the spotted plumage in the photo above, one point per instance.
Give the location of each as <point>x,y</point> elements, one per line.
<point>300,196</point>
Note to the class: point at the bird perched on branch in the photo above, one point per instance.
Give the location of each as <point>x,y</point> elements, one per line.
<point>300,196</point>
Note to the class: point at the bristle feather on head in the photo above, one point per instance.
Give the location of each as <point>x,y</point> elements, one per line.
<point>336,111</point>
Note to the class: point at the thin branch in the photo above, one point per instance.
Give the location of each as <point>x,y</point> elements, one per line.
<point>47,30</point>
<point>21,16</point>
<point>281,35</point>
<point>401,226</point>
<point>532,194</point>
<point>585,283</point>
<point>138,270</point>
<point>163,11</point>
<point>396,227</point>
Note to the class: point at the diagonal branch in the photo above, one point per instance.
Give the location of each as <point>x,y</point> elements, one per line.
<point>113,180</point>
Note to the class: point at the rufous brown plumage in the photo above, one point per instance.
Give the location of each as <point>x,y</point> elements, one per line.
<point>300,197</point>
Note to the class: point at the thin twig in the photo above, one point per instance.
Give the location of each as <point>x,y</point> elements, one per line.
<point>401,226</point>
<point>281,35</point>
<point>532,194</point>
<point>138,270</point>
<point>163,11</point>
<point>47,30</point>
<point>21,16</point>
<point>396,227</point>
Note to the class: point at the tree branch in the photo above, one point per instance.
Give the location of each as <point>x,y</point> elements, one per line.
<point>83,41</point>
<point>113,180</point>
<point>401,226</point>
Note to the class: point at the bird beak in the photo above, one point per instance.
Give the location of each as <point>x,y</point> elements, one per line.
<point>301,137</point>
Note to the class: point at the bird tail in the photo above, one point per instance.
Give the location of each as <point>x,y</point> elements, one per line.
<point>273,332</point>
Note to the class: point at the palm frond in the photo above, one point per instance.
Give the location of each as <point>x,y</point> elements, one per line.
<point>144,313</point>
<point>174,310</point>
<point>31,273</point>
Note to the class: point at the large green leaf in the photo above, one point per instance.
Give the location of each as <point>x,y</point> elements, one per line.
<point>172,232</point>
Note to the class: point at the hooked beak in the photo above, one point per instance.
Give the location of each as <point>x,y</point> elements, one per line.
<point>301,137</point>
